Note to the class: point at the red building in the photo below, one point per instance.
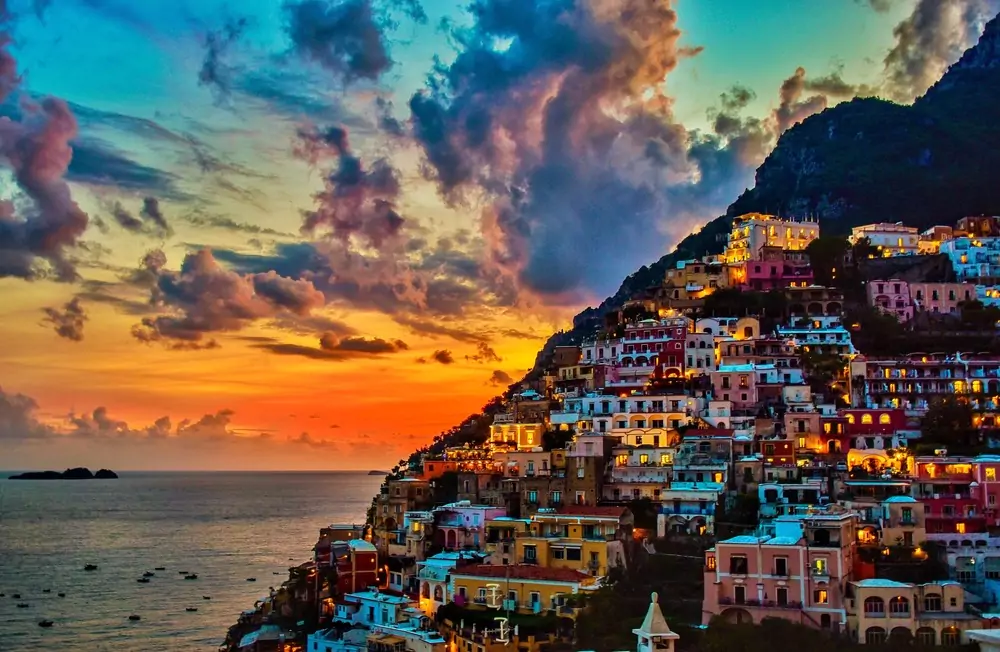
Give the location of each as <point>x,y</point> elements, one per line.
<point>872,428</point>
<point>357,565</point>
<point>776,271</point>
<point>948,489</point>
<point>652,342</point>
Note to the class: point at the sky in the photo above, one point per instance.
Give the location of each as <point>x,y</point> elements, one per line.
<point>312,234</point>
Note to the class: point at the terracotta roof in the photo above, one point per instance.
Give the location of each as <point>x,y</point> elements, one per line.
<point>523,572</point>
<point>587,510</point>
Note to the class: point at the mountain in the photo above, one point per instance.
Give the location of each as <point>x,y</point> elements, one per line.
<point>863,161</point>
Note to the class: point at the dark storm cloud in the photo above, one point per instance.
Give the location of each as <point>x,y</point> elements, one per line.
<point>442,356</point>
<point>500,378</point>
<point>484,353</point>
<point>372,345</point>
<point>344,37</point>
<point>553,183</point>
<point>48,224</point>
<point>68,322</point>
<point>335,348</point>
<point>150,219</point>
<point>214,72</point>
<point>930,39</point>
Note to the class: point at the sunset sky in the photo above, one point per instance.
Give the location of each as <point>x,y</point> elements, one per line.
<point>312,234</point>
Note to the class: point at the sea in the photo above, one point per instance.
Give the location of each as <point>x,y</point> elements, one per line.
<point>225,527</point>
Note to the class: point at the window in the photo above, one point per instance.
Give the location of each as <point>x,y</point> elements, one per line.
<point>781,566</point>
<point>558,553</point>
<point>740,594</point>
<point>782,595</point>
<point>530,553</point>
<point>850,419</point>
<point>874,607</point>
<point>899,606</point>
<point>802,442</point>
<point>573,554</point>
<point>884,418</point>
<point>820,596</point>
<point>819,566</point>
<point>738,565</point>
<point>710,563</point>
<point>874,636</point>
<point>991,473</point>
<point>949,636</point>
<point>925,636</point>
<point>866,418</point>
<point>535,597</point>
<point>932,602</point>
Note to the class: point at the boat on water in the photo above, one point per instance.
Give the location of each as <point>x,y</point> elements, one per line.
<point>182,573</point>
<point>191,576</point>
<point>148,574</point>
<point>251,579</point>
<point>23,605</point>
<point>160,568</point>
<point>16,596</point>
<point>45,623</point>
<point>191,609</point>
<point>135,617</point>
<point>61,595</point>
<point>143,580</point>
<point>46,590</point>
<point>206,597</point>
<point>90,567</point>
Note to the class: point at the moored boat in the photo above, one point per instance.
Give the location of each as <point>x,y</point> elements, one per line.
<point>45,623</point>
<point>90,567</point>
<point>135,617</point>
<point>191,576</point>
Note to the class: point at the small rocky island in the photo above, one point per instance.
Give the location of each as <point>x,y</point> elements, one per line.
<point>80,473</point>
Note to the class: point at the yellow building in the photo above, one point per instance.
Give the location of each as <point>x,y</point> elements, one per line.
<point>928,614</point>
<point>754,231</point>
<point>694,279</point>
<point>524,436</point>
<point>903,522</point>
<point>577,537</point>
<point>522,588</point>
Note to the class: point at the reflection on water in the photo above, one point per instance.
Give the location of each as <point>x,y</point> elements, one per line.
<point>223,526</point>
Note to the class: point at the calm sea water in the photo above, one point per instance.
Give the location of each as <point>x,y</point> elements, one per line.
<point>223,526</point>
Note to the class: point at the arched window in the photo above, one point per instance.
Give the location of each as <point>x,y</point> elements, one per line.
<point>866,418</point>
<point>899,606</point>
<point>949,636</point>
<point>926,636</point>
<point>702,345</point>
<point>874,607</point>
<point>690,344</point>
<point>438,595</point>
<point>932,602</point>
<point>884,418</point>
<point>850,419</point>
<point>900,635</point>
<point>874,636</point>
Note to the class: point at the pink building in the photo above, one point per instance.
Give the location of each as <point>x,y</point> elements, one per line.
<point>941,297</point>
<point>462,525</point>
<point>773,274</point>
<point>798,571</point>
<point>891,296</point>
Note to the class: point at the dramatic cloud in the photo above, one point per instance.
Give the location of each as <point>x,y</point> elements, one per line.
<point>149,221</point>
<point>355,201</point>
<point>18,420</point>
<point>97,163</point>
<point>203,297</point>
<point>375,345</point>
<point>500,379</point>
<point>441,355</point>
<point>214,72</point>
<point>229,224</point>
<point>343,36</point>
<point>929,40</point>
<point>484,354</point>
<point>434,329</point>
<point>68,322</point>
<point>564,125</point>
<point>37,149</point>
<point>210,426</point>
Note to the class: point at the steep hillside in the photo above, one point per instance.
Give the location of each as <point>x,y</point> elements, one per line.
<point>863,161</point>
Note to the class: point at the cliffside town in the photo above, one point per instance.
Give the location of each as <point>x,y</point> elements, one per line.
<point>799,428</point>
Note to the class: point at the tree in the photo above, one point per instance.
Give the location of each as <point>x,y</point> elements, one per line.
<point>826,257</point>
<point>556,439</point>
<point>948,423</point>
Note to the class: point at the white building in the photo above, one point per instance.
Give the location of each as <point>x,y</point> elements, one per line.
<point>370,608</point>
<point>754,231</point>
<point>889,239</point>
<point>974,259</point>
<point>824,334</point>
<point>434,574</point>
<point>689,508</point>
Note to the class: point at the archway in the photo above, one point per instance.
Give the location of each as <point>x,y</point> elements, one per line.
<point>450,539</point>
<point>425,590</point>
<point>737,616</point>
<point>438,593</point>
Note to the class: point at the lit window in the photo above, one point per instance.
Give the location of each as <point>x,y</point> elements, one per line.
<point>960,528</point>
<point>884,418</point>
<point>866,418</point>
<point>991,473</point>
<point>850,418</point>
<point>820,596</point>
